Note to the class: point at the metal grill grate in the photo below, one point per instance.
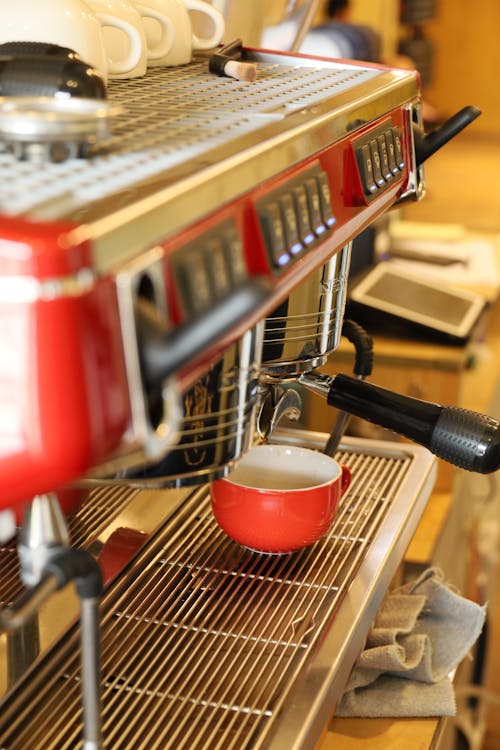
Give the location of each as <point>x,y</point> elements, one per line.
<point>83,526</point>
<point>203,641</point>
<point>171,117</point>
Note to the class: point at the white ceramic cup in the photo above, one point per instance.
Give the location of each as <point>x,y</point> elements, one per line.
<point>67,23</point>
<point>185,41</point>
<point>151,13</point>
<point>120,41</point>
<point>118,44</point>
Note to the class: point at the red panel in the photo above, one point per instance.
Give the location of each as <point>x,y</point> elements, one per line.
<point>63,393</point>
<point>42,251</point>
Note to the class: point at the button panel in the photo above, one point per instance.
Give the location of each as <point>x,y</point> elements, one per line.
<point>296,217</point>
<point>208,269</point>
<point>380,160</point>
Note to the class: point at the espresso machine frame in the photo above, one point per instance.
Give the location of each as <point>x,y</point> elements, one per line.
<point>211,203</point>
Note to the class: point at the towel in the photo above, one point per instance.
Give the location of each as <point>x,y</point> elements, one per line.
<point>422,631</point>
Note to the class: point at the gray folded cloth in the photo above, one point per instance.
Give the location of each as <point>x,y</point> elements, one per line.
<point>421,633</point>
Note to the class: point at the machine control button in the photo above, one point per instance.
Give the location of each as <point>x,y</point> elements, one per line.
<point>274,234</point>
<point>233,250</point>
<point>302,211</point>
<point>398,148</point>
<point>376,162</point>
<point>290,223</point>
<point>365,164</point>
<point>217,267</point>
<point>384,158</point>
<point>391,152</point>
<point>325,199</point>
<point>193,281</point>
<point>314,203</point>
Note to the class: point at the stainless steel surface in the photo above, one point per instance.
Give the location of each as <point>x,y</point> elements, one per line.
<point>90,643</point>
<point>189,141</point>
<point>52,128</point>
<point>216,424</point>
<point>144,440</point>
<point>277,403</point>
<point>306,327</point>
<point>43,534</point>
<point>206,645</point>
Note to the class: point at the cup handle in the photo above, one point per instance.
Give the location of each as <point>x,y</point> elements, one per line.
<point>116,67</point>
<point>167,32</point>
<point>217,18</point>
<point>345,480</point>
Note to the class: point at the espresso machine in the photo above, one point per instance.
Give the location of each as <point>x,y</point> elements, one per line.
<point>156,296</point>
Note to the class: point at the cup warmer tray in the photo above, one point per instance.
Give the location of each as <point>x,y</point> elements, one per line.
<point>206,645</point>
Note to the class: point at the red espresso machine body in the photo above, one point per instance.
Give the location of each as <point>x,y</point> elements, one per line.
<point>271,197</point>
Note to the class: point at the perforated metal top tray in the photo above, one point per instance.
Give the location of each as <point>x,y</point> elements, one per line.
<point>189,141</point>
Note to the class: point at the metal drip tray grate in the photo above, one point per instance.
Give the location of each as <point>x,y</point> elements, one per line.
<point>83,526</point>
<point>207,646</point>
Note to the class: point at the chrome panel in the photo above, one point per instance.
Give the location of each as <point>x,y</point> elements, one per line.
<point>301,333</point>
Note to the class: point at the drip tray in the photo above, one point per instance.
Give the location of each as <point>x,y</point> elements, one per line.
<point>208,646</point>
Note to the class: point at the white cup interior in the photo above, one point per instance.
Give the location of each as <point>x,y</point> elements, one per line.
<point>281,467</point>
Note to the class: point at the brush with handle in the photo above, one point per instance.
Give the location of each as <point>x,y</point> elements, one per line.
<point>227,62</point>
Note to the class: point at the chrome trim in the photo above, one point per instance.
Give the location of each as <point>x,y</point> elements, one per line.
<point>216,423</point>
<point>302,331</point>
<point>152,441</point>
<point>28,289</point>
<point>415,187</point>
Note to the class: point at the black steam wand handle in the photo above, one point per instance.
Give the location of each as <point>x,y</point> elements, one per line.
<point>163,352</point>
<point>459,436</point>
<point>426,145</point>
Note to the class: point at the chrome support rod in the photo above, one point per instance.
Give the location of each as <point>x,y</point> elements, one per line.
<point>91,678</point>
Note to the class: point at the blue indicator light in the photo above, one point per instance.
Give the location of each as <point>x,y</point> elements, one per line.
<point>320,229</point>
<point>283,259</point>
<point>331,221</point>
<point>309,238</point>
<point>295,249</point>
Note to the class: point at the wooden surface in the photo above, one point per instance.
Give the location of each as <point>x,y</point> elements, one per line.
<point>380,734</point>
<point>427,535</point>
<point>466,60</point>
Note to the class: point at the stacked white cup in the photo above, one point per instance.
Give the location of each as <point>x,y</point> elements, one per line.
<point>119,38</point>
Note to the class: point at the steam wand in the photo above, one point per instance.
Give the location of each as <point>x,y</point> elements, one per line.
<point>48,563</point>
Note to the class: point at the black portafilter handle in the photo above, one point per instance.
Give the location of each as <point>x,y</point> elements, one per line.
<point>459,436</point>
<point>426,145</point>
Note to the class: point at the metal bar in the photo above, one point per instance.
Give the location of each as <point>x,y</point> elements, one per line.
<point>91,672</point>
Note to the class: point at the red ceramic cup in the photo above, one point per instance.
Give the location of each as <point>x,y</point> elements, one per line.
<point>279,498</point>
